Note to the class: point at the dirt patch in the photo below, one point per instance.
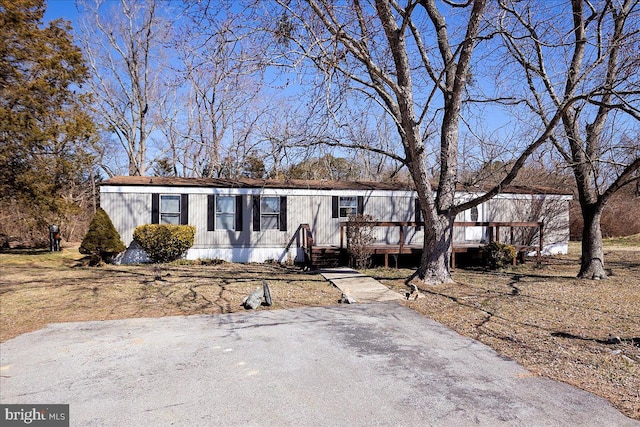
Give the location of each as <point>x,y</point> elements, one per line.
<point>37,288</point>
<point>585,333</point>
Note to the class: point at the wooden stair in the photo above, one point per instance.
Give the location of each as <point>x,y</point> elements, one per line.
<point>326,257</point>
<point>316,256</point>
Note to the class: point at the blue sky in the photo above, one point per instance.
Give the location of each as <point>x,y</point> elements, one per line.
<point>65,9</point>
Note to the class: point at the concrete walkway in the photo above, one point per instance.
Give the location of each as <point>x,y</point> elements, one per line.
<point>359,286</point>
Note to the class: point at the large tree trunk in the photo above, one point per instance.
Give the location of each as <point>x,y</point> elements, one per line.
<point>592,262</point>
<point>436,254</point>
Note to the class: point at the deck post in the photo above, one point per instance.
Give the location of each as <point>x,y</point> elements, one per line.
<point>303,231</point>
<point>453,259</point>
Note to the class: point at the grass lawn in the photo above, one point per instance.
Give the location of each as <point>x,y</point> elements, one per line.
<point>40,287</point>
<point>586,333</point>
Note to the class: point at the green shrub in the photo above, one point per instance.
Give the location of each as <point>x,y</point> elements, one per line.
<point>165,242</point>
<point>498,255</point>
<point>102,241</point>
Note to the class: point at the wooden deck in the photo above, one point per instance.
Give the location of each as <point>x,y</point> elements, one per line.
<point>317,255</point>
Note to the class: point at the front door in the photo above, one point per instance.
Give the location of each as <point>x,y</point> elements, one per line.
<point>475,214</point>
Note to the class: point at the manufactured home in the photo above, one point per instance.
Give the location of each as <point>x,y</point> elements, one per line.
<point>252,220</point>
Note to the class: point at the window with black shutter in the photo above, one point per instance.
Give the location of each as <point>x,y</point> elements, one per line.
<point>211,212</point>
<point>184,209</point>
<point>155,208</point>
<point>224,212</point>
<point>269,213</point>
<point>283,213</point>
<point>239,219</point>
<point>256,213</point>
<point>344,206</point>
<point>169,209</point>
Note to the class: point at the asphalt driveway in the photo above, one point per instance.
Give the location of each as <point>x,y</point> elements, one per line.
<point>359,365</point>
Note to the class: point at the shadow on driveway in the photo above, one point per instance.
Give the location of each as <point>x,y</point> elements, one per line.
<point>369,364</point>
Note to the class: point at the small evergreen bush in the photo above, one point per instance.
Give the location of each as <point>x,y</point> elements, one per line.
<point>102,241</point>
<point>165,242</point>
<point>498,255</point>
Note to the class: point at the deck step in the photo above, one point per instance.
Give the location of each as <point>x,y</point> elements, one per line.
<point>326,257</point>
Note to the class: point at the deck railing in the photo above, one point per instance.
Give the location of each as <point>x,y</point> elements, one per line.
<point>493,228</point>
<point>303,238</point>
<point>307,243</point>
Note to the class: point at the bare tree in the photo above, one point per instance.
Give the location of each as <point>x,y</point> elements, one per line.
<point>121,42</point>
<point>417,68</point>
<point>216,93</point>
<point>585,52</point>
<point>280,134</point>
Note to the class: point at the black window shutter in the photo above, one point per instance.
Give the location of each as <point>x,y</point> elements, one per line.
<point>418,213</point>
<point>184,209</point>
<point>155,208</point>
<point>360,205</point>
<point>283,213</point>
<point>211,212</point>
<point>334,207</point>
<point>238,213</point>
<point>256,213</point>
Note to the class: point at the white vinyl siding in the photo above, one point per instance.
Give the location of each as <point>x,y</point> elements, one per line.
<point>130,206</point>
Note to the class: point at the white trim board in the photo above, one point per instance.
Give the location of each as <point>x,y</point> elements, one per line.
<point>147,189</point>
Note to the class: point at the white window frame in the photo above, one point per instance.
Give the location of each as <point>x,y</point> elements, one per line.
<point>264,215</point>
<point>168,216</point>
<point>221,214</point>
<point>344,209</point>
